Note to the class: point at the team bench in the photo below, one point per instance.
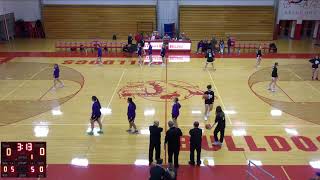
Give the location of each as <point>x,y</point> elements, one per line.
<point>84,46</point>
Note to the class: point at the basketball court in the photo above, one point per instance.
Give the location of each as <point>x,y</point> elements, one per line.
<point>45,131</point>
<point>278,130</point>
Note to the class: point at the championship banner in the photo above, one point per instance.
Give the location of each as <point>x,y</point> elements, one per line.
<point>299,10</point>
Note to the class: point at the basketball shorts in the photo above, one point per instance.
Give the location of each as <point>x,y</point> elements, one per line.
<point>95,118</point>
<point>131,119</point>
<point>174,116</point>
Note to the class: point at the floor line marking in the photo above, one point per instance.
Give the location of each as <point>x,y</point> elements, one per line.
<point>215,87</point>
<point>285,172</point>
<point>115,90</point>
<point>285,92</point>
<point>304,81</point>
<point>23,83</point>
<point>109,103</point>
<point>43,95</point>
<point>119,124</point>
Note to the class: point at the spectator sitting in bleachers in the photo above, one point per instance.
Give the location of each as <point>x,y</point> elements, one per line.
<point>166,39</point>
<point>147,36</point>
<point>273,48</point>
<point>157,36</point>
<point>129,48</point>
<point>153,36</point>
<point>138,37</point>
<point>126,48</point>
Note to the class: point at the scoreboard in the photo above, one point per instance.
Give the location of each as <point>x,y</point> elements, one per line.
<point>23,159</point>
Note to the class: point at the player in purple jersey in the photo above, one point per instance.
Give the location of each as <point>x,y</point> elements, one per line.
<point>56,76</point>
<point>175,111</point>
<point>150,54</point>
<point>95,115</point>
<point>139,52</point>
<point>131,113</point>
<point>163,54</point>
<point>99,59</point>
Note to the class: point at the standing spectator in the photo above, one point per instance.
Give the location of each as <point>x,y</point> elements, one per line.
<point>221,45</point>
<point>130,39</point>
<point>155,140</point>
<point>210,46</point>
<point>173,140</point>
<point>195,143</point>
<point>229,43</point>
<point>205,46</point>
<point>170,173</point>
<point>157,171</point>
<point>199,47</point>
<point>221,120</point>
<point>213,43</point>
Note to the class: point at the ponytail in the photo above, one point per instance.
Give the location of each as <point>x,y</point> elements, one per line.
<point>95,99</point>
<point>99,103</point>
<point>131,101</point>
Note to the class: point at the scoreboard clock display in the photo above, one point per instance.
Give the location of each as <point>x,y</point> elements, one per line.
<point>23,159</point>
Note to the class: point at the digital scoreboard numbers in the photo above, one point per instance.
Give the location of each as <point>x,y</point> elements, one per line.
<point>23,159</point>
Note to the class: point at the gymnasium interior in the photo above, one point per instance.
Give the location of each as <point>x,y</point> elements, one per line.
<point>45,130</point>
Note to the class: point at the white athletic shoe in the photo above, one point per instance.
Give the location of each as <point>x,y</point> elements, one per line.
<point>206,118</point>
<point>273,90</point>
<point>216,143</point>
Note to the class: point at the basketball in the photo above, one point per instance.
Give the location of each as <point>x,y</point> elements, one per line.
<point>208,126</point>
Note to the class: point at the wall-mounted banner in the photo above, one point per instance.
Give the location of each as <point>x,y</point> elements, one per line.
<point>299,10</point>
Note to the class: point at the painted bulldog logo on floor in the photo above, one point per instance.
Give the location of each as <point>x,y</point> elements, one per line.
<point>158,90</point>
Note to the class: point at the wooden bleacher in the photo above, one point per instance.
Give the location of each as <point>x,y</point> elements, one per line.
<point>89,22</point>
<point>243,23</point>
